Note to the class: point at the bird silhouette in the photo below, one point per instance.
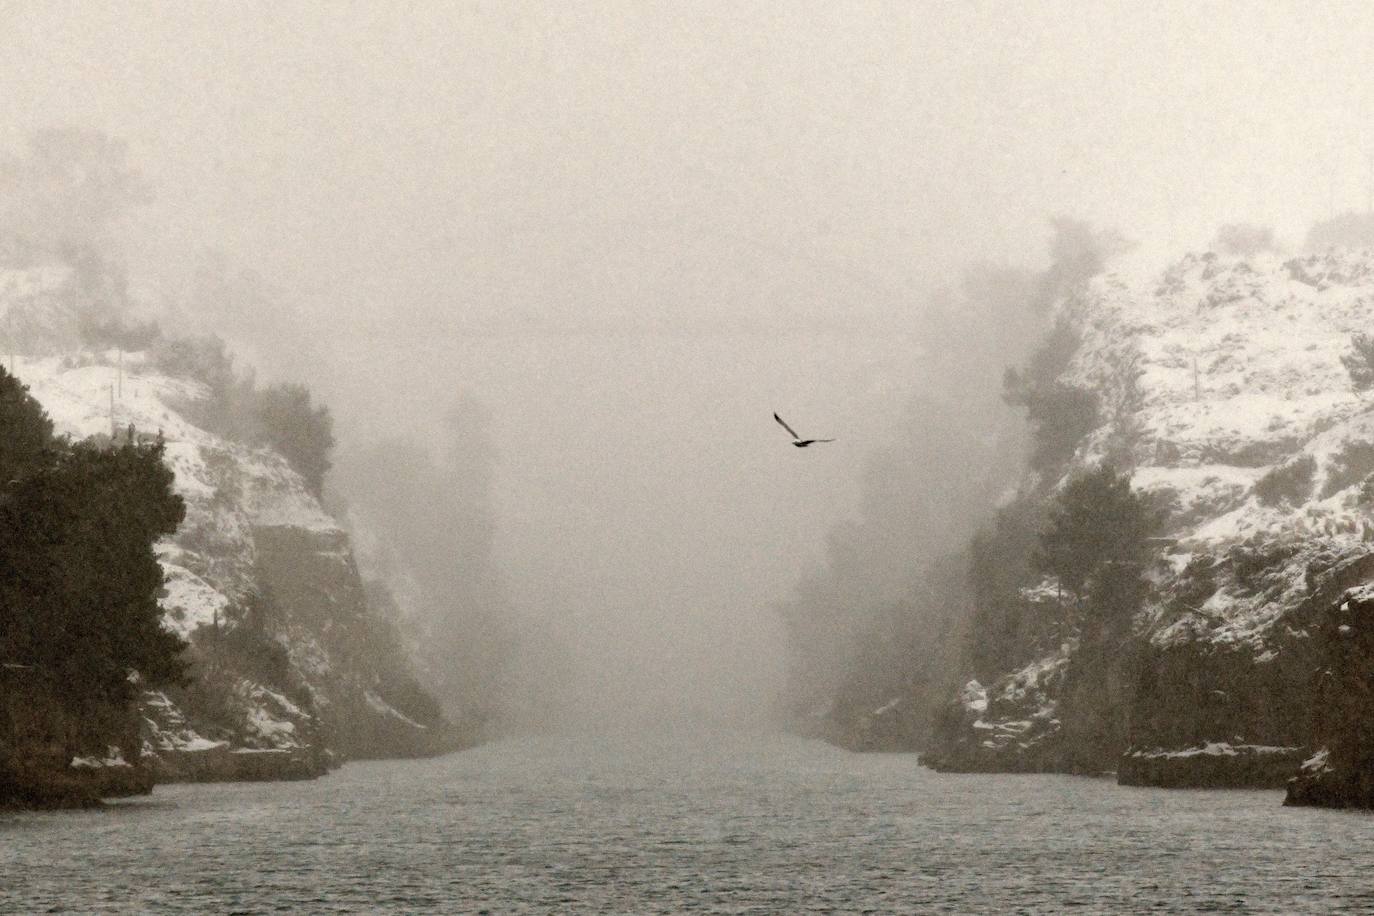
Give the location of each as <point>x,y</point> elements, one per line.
<point>798,441</point>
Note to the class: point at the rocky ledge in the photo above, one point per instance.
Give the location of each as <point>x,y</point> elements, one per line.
<point>51,757</point>
<point>1215,765</point>
<point>30,783</point>
<point>1341,772</point>
<point>220,763</point>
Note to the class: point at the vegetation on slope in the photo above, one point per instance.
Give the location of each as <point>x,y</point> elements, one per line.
<point>80,626</point>
<point>876,638</point>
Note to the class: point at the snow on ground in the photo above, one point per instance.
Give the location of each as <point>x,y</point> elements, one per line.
<point>1214,749</point>
<point>190,602</point>
<point>233,493</point>
<point>1213,376</point>
<point>271,717</point>
<point>386,709</point>
<point>1019,708</point>
<point>1223,355</point>
<point>974,697</point>
<point>1030,681</point>
<point>166,729</point>
<point>113,758</point>
<point>1318,762</point>
<point>229,489</point>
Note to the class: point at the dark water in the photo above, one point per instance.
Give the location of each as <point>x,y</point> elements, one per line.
<point>730,825</point>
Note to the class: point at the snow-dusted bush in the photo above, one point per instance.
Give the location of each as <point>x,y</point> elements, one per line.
<point>1359,362</point>
<point>1353,463</point>
<point>1290,482</point>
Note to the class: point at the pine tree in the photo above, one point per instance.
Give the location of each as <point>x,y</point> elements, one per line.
<point>80,598</point>
<point>302,432</point>
<point>1096,542</point>
<point>25,430</point>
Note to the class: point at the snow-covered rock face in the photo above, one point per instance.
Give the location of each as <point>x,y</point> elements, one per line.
<point>210,565</point>
<point>229,489</point>
<point>258,579</point>
<point>1005,726</point>
<point>299,685</point>
<point>1225,363</point>
<point>1223,389</point>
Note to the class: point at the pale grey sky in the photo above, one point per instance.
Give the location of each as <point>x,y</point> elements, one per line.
<point>635,229</point>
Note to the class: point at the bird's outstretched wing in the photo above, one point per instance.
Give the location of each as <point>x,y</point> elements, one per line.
<point>783,423</point>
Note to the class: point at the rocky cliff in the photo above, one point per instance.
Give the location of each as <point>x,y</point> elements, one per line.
<point>291,670</point>
<point>1222,389</point>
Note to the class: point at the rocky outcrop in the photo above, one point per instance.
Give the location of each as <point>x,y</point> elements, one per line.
<point>312,574</point>
<point>291,670</point>
<point>54,756</point>
<point>177,753</point>
<point>220,763</point>
<point>1216,765</point>
<point>1224,393</point>
<point>287,677</point>
<point>1340,773</point>
<point>897,724</point>
<point>1011,727</point>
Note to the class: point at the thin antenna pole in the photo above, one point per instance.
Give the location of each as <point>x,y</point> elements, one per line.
<point>119,374</point>
<point>113,432</point>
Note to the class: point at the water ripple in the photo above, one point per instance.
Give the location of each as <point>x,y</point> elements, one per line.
<point>773,825</point>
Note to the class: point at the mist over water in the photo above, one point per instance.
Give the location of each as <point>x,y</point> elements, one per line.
<point>650,510</point>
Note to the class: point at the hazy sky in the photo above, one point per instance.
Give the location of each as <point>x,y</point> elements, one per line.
<point>635,229</point>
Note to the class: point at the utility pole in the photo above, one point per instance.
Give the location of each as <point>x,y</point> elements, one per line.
<point>119,373</point>
<point>113,431</point>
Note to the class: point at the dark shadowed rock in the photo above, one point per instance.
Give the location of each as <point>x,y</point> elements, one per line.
<point>54,756</point>
<point>1341,773</point>
<point>1210,766</point>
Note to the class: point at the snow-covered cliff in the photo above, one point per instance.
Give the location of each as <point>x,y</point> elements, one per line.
<point>260,580</point>
<point>1221,387</point>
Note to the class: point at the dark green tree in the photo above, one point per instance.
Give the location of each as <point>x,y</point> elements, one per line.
<point>302,432</point>
<point>25,430</point>
<point>999,562</point>
<point>1096,542</point>
<point>80,594</point>
<point>1060,415</point>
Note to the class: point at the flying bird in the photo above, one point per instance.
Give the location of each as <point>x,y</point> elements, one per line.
<point>798,441</point>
